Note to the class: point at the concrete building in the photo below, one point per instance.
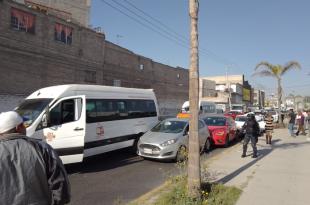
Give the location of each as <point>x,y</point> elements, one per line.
<point>259,98</point>
<point>239,92</point>
<point>206,88</point>
<point>51,51</point>
<point>77,11</point>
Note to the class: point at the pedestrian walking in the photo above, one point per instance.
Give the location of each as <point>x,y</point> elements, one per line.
<point>251,129</point>
<point>31,173</point>
<point>300,123</point>
<point>291,123</point>
<point>308,122</point>
<point>269,128</point>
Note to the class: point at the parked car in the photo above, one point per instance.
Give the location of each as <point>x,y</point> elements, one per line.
<point>241,119</point>
<point>169,139</point>
<point>222,129</point>
<point>275,116</point>
<point>233,114</point>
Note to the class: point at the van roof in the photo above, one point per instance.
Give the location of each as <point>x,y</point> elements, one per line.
<point>58,90</point>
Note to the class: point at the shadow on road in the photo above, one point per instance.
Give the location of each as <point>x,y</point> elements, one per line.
<point>104,162</point>
<point>262,153</point>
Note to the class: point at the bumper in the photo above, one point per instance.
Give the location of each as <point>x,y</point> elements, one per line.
<point>219,140</point>
<point>153,151</point>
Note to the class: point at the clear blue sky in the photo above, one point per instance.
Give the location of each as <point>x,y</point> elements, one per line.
<point>236,34</point>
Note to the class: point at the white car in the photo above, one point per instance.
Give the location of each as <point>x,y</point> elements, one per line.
<point>241,119</point>
<point>275,116</point>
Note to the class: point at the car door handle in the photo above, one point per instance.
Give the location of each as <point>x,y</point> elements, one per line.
<point>78,129</point>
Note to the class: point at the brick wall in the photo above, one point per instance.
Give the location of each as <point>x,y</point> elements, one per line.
<point>9,102</point>
<point>32,61</point>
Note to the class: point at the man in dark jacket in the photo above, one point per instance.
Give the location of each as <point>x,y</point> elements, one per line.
<point>251,129</point>
<point>31,173</point>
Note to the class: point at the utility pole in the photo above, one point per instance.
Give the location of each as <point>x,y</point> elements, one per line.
<point>194,180</point>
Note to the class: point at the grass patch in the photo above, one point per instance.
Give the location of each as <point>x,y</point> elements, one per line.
<point>211,194</point>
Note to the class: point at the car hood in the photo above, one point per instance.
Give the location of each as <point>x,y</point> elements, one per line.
<point>158,137</point>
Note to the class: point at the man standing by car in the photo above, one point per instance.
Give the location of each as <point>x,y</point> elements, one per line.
<point>252,130</point>
<point>291,123</point>
<point>31,173</point>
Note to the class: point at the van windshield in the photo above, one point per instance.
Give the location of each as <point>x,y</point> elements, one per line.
<point>30,109</point>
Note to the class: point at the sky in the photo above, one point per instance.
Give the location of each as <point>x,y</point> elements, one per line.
<point>234,35</point>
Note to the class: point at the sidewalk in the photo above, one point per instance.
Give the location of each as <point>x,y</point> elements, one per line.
<point>280,174</point>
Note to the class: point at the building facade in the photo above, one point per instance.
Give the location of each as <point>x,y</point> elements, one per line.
<point>231,88</point>
<point>77,11</point>
<point>259,98</point>
<point>48,50</point>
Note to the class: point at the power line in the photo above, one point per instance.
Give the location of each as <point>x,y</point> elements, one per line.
<point>145,25</point>
<point>170,34</point>
<point>208,52</point>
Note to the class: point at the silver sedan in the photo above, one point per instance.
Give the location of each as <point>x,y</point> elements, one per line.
<point>169,139</point>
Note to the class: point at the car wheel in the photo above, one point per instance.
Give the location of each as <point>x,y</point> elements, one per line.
<point>208,145</point>
<point>181,154</point>
<point>226,142</point>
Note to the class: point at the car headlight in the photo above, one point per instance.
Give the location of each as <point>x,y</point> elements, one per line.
<point>169,142</point>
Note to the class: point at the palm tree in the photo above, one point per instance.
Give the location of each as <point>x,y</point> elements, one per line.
<point>276,71</point>
<point>194,180</point>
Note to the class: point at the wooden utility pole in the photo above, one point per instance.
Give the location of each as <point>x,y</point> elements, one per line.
<point>194,181</point>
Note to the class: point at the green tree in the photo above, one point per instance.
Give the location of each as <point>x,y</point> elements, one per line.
<point>276,71</point>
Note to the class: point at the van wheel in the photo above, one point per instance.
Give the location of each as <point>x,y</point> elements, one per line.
<point>226,142</point>
<point>208,145</point>
<point>181,154</point>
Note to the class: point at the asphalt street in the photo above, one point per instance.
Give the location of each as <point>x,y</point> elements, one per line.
<point>117,176</point>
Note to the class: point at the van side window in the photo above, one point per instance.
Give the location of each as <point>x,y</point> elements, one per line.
<point>100,110</point>
<point>63,113</point>
<point>141,108</point>
<point>106,110</point>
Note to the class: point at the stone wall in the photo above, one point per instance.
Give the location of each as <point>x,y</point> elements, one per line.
<point>9,102</point>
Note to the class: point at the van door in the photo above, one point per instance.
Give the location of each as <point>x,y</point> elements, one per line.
<point>66,128</point>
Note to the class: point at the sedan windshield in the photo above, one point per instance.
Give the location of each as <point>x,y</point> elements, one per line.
<point>241,119</point>
<point>31,109</point>
<point>168,126</point>
<point>215,121</point>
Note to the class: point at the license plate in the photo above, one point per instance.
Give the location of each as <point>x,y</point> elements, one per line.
<point>148,151</point>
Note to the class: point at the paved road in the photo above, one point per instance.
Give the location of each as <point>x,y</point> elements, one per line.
<point>117,175</point>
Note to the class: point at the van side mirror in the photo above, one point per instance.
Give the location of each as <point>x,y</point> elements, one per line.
<point>185,132</point>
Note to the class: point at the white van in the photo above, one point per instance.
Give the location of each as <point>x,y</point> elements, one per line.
<point>205,107</point>
<point>84,120</point>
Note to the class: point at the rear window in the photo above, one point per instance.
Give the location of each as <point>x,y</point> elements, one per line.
<point>215,121</point>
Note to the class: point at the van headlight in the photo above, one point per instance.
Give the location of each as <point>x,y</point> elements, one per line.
<point>169,142</point>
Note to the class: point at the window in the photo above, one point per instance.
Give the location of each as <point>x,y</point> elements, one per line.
<point>141,108</point>
<point>117,83</point>
<point>64,112</point>
<point>100,110</point>
<point>63,33</point>
<point>22,21</point>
